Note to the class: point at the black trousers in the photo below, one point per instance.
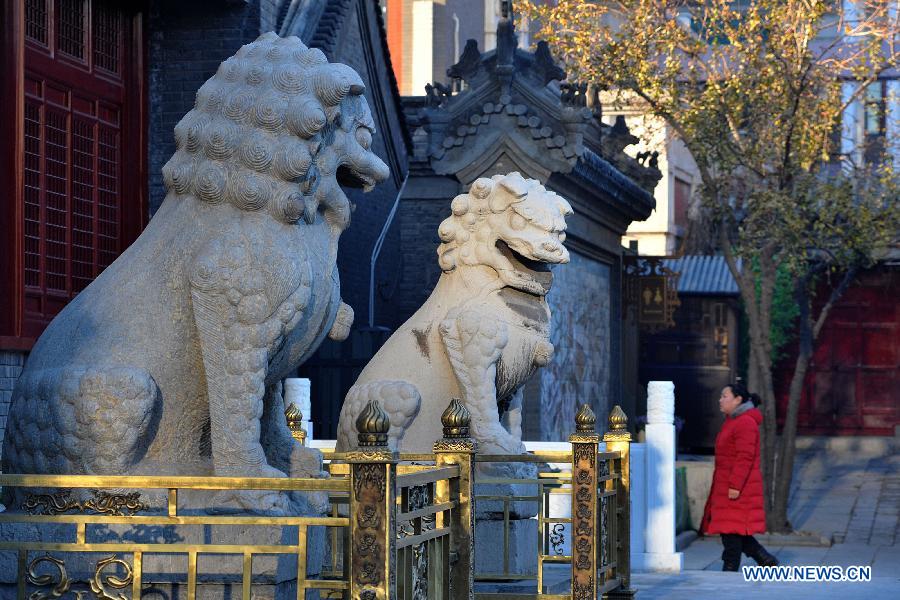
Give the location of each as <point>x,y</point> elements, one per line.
<point>736,543</point>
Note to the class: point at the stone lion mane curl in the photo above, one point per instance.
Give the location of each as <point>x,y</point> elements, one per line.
<point>491,196</point>
<point>262,124</point>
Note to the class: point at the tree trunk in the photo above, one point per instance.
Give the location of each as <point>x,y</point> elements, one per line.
<point>789,431</point>
<point>767,442</point>
<point>769,436</point>
<point>759,317</point>
<point>779,520</point>
<point>758,304</point>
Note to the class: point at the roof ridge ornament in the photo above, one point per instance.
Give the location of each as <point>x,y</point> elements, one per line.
<point>469,63</point>
<point>545,65</point>
<point>507,41</point>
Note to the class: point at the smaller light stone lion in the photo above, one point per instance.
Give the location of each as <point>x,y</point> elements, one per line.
<point>484,329</point>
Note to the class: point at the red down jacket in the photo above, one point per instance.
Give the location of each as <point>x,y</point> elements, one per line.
<point>737,467</point>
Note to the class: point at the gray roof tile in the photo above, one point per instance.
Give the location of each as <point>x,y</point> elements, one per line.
<point>703,275</point>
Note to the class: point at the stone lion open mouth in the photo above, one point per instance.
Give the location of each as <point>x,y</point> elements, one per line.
<point>347,177</point>
<point>531,270</point>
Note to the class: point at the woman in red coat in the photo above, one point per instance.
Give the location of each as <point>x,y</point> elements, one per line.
<point>734,508</point>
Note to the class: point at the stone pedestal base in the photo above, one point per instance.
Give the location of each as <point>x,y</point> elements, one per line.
<point>620,594</point>
<point>523,547</point>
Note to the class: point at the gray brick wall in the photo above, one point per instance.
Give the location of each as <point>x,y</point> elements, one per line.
<point>187,41</point>
<point>425,204</point>
<point>419,221</point>
<point>11,363</point>
<point>371,210</point>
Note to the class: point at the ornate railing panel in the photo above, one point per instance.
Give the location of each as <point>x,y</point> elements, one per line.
<point>596,484</point>
<point>127,533</point>
<point>549,542</point>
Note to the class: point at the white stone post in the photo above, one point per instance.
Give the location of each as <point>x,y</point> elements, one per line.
<point>659,535</point>
<point>297,391</point>
<point>851,123</point>
<point>638,494</point>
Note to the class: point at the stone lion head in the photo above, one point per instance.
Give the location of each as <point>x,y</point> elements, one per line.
<point>277,129</point>
<point>511,224</point>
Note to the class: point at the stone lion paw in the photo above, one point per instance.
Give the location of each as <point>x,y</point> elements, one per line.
<point>259,502</point>
<point>340,330</point>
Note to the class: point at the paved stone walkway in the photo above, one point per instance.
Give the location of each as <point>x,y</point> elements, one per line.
<point>705,554</point>
<point>848,498</point>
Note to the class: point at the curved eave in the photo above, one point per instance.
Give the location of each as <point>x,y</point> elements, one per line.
<point>633,201</point>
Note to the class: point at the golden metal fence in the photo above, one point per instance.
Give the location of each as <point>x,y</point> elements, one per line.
<point>598,524</point>
<point>48,499</point>
<point>398,525</point>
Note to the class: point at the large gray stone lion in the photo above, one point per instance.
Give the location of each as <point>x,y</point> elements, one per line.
<point>169,362</point>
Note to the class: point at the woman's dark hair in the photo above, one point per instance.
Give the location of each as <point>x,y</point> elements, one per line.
<point>739,389</point>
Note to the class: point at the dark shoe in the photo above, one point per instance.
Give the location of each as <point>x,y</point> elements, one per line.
<point>729,565</point>
<point>763,558</point>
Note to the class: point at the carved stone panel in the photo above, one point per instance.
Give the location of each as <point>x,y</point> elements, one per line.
<point>579,371</point>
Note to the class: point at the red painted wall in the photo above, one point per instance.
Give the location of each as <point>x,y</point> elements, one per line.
<point>853,384</point>
<point>394,13</point>
<point>71,154</point>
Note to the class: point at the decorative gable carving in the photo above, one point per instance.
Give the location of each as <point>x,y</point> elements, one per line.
<point>512,105</point>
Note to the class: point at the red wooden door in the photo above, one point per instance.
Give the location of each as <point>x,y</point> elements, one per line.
<point>853,384</point>
<point>81,199</point>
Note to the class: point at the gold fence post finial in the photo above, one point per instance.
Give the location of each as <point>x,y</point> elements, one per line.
<point>618,426</point>
<point>457,448</point>
<point>373,425</point>
<point>295,423</point>
<point>585,420</point>
<point>456,419</point>
<point>617,419</point>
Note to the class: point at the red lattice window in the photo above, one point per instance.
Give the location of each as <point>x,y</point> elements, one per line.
<point>108,215</point>
<point>71,27</point>
<point>33,185</point>
<point>80,117</point>
<point>36,21</point>
<point>106,36</point>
